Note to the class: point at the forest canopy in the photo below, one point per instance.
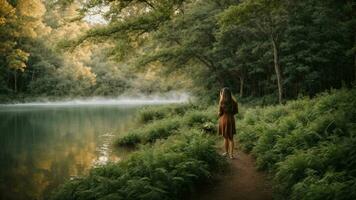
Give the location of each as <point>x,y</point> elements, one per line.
<point>275,48</point>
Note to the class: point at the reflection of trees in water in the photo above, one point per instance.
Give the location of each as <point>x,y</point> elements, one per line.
<point>32,173</point>
<point>42,149</point>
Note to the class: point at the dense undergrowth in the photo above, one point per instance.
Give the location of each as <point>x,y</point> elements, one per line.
<point>150,113</point>
<point>163,169</point>
<point>309,145</point>
<point>160,122</point>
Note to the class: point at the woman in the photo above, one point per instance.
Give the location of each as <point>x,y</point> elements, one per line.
<point>227,109</point>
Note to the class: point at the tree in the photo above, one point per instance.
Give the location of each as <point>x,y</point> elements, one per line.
<point>19,22</point>
<point>314,52</point>
<point>17,62</point>
<point>186,43</point>
<point>130,19</point>
<point>261,18</point>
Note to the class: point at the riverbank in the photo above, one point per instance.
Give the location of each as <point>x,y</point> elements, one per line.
<point>173,162</point>
<point>306,145</point>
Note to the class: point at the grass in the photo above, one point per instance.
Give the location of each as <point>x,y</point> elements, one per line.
<point>309,145</point>
<point>167,170</point>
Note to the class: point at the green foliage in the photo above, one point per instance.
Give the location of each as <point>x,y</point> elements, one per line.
<point>160,122</point>
<point>209,127</point>
<point>308,144</point>
<point>17,60</point>
<point>151,113</point>
<point>197,118</point>
<point>149,133</point>
<point>186,44</point>
<point>169,170</point>
<point>130,139</point>
<point>200,46</point>
<point>250,101</point>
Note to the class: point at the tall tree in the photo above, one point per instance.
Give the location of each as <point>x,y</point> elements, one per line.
<point>261,18</point>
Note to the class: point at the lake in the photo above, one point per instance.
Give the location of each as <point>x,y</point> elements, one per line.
<point>44,145</point>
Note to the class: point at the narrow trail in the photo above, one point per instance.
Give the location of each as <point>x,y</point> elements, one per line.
<point>241,182</point>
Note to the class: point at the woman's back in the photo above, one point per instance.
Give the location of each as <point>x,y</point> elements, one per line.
<point>230,108</point>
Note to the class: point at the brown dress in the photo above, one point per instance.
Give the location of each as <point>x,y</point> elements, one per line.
<point>227,120</point>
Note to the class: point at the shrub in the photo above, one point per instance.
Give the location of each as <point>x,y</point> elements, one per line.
<point>307,144</point>
<point>151,113</point>
<point>197,118</point>
<point>148,114</point>
<point>130,139</point>
<point>161,129</point>
<point>209,127</point>
<point>149,133</point>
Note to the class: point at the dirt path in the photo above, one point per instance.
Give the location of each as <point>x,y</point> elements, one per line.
<point>241,182</point>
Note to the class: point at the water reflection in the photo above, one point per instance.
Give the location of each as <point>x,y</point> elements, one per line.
<point>42,147</point>
<point>104,150</point>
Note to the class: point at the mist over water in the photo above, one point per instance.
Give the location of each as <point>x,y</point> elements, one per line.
<point>46,142</point>
<point>168,98</point>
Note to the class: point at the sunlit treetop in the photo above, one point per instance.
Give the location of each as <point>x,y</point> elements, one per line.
<point>127,18</point>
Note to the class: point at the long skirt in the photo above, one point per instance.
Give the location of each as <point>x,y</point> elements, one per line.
<point>227,126</point>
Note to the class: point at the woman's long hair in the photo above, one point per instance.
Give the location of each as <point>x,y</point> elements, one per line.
<point>226,99</point>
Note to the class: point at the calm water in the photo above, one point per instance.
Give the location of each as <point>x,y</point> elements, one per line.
<point>41,146</point>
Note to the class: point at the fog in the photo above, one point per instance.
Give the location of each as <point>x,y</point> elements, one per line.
<point>168,98</point>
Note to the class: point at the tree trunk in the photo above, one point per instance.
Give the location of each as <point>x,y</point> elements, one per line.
<point>15,81</point>
<point>353,15</point>
<point>33,75</point>
<point>355,60</point>
<point>241,86</point>
<point>355,68</point>
<point>277,69</point>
